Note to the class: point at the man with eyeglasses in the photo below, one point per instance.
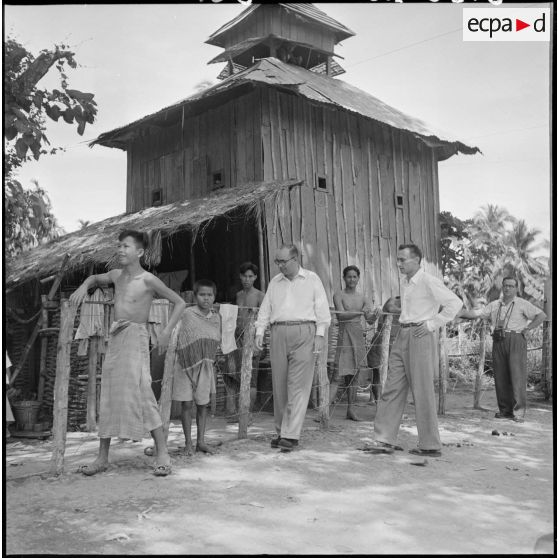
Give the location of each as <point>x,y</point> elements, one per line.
<point>511,317</point>
<point>426,305</point>
<point>296,307</point>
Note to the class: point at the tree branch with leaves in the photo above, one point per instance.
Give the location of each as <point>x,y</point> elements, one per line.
<point>28,217</point>
<point>26,105</point>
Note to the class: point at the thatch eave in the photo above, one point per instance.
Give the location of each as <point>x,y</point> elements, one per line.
<point>96,244</point>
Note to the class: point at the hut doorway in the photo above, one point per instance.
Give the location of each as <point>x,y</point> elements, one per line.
<point>217,252</point>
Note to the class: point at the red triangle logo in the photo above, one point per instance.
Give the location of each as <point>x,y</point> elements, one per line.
<point>519,25</point>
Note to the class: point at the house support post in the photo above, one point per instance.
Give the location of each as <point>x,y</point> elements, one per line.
<point>61,383</point>
<point>480,367</point>
<point>246,375</point>
<point>443,372</point>
<point>165,399</point>
<point>263,274</point>
<point>323,384</point>
<point>92,384</point>
<point>384,358</point>
<point>44,347</point>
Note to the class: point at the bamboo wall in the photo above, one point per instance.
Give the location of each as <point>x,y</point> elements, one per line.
<point>357,220</point>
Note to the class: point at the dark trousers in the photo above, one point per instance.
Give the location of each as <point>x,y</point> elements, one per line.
<point>509,359</point>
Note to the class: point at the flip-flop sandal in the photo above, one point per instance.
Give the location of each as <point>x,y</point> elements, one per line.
<point>162,470</point>
<point>92,469</point>
<point>150,451</point>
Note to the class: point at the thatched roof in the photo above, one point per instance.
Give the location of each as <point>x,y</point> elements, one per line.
<point>320,89</point>
<point>97,242</point>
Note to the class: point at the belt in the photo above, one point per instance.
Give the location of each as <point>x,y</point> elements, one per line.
<point>297,322</point>
<point>410,324</point>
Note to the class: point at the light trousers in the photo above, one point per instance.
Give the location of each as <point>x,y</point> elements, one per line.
<point>292,372</point>
<point>413,362</point>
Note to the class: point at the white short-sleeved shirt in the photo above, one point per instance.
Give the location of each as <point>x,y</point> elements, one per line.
<point>519,311</point>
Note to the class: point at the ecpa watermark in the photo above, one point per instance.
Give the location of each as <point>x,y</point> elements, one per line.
<point>506,24</point>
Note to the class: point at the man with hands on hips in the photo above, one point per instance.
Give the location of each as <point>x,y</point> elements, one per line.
<point>426,305</point>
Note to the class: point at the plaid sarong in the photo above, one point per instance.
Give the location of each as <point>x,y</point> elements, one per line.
<point>128,408</point>
<point>350,354</point>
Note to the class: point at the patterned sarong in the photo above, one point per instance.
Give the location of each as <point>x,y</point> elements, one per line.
<point>128,408</point>
<point>351,353</point>
<point>196,347</point>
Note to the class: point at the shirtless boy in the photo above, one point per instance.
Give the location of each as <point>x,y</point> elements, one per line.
<point>194,380</point>
<point>128,408</point>
<point>248,297</point>
<point>350,355</point>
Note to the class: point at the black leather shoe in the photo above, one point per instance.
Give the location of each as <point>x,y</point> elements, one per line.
<point>275,442</point>
<point>504,416</point>
<point>287,444</point>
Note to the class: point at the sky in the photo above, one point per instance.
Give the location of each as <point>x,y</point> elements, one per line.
<point>138,59</point>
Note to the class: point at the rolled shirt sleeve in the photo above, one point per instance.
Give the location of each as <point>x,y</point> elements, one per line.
<point>264,312</point>
<point>484,312</point>
<point>450,303</point>
<point>321,307</point>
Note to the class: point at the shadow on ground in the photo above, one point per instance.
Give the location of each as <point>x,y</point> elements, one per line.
<point>486,494</point>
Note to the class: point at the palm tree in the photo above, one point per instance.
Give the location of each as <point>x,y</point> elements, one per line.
<point>522,243</point>
<point>83,223</point>
<point>487,233</point>
<point>500,246</point>
<point>490,223</point>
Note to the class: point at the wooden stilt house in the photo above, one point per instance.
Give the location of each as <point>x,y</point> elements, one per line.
<point>280,150</point>
<point>368,173</point>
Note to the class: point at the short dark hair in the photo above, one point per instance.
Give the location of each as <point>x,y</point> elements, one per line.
<point>293,250</point>
<point>351,268</point>
<point>510,278</point>
<point>413,248</point>
<point>140,238</point>
<point>248,266</point>
<point>205,283</point>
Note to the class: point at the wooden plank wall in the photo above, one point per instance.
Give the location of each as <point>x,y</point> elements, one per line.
<point>357,219</point>
<point>181,162</point>
<point>272,135</point>
<point>279,22</point>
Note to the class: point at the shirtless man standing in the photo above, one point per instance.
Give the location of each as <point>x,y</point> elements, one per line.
<point>350,355</point>
<point>246,299</point>
<point>128,408</point>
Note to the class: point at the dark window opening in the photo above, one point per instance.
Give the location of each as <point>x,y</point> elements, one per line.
<point>399,200</point>
<point>217,180</point>
<point>156,197</point>
<point>322,183</point>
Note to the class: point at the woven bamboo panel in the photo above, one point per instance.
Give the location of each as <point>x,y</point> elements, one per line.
<point>18,334</point>
<point>77,389</point>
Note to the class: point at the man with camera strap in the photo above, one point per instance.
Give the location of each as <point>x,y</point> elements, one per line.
<point>511,317</point>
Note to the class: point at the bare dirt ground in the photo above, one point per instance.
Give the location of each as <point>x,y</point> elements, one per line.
<point>486,494</point>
